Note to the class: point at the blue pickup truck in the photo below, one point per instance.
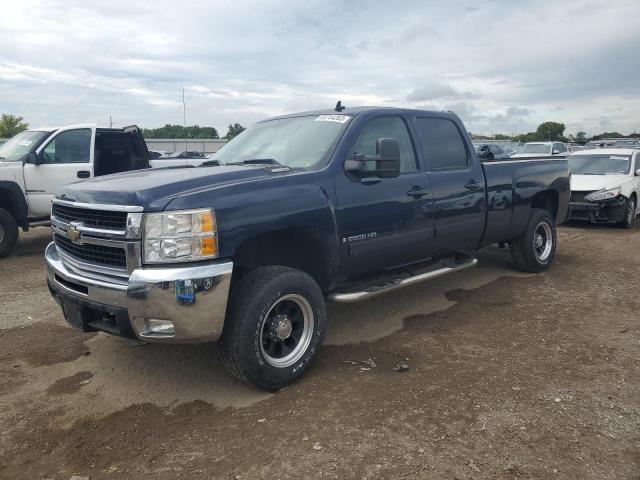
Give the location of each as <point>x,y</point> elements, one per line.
<point>336,205</point>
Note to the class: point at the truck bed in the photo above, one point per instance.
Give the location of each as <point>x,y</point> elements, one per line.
<point>511,186</point>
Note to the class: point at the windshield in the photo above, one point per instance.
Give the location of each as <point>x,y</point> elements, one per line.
<point>599,164</point>
<point>535,148</point>
<point>14,149</point>
<point>297,142</point>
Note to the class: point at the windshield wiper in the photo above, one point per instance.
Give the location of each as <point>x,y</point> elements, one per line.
<point>257,161</point>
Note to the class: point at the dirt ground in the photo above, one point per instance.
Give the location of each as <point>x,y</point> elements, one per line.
<point>510,376</point>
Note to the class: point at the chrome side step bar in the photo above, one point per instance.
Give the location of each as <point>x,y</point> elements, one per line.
<point>396,283</point>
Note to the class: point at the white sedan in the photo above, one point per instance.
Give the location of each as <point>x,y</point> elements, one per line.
<point>605,184</point>
<point>541,149</point>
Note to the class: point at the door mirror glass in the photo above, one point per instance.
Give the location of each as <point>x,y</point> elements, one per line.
<point>384,164</point>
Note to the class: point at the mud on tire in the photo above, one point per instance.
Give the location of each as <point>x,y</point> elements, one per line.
<point>274,327</point>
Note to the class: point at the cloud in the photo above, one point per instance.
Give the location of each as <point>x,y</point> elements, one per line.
<point>433,91</point>
<point>248,59</point>
<point>518,111</point>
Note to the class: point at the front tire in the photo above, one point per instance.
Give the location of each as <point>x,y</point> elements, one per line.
<point>629,213</point>
<point>8,233</point>
<point>535,249</point>
<point>274,327</point>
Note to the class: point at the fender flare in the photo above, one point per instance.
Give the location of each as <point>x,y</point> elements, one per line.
<point>17,202</point>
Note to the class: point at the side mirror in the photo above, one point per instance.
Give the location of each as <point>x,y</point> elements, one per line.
<point>638,172</point>
<point>555,152</point>
<point>384,164</point>
<point>32,157</point>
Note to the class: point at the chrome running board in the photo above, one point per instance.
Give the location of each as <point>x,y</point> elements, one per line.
<point>460,262</point>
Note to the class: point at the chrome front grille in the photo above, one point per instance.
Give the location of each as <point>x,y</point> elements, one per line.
<point>98,254</point>
<point>98,241</point>
<point>91,218</point>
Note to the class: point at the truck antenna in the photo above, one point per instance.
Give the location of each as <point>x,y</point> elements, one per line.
<point>339,106</point>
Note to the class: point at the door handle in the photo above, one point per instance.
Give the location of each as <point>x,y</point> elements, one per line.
<point>472,185</point>
<point>83,174</point>
<point>417,192</point>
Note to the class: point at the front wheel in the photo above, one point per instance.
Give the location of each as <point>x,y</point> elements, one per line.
<point>629,213</point>
<point>535,249</point>
<point>274,327</point>
<point>8,233</point>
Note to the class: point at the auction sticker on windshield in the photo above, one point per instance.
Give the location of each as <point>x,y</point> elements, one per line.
<point>333,118</point>
<point>613,157</point>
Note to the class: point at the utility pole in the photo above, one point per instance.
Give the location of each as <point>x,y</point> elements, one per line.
<point>184,120</point>
<point>110,122</point>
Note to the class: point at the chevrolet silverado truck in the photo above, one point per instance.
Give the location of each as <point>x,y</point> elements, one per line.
<point>34,163</point>
<point>337,205</point>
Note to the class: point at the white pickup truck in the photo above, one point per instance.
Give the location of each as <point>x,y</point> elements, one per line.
<point>34,163</point>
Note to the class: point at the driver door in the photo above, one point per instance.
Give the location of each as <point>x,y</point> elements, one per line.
<point>65,158</point>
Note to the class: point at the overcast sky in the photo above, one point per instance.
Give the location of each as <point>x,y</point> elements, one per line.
<point>503,66</point>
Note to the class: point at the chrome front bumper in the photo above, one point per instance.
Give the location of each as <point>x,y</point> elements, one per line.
<point>192,298</point>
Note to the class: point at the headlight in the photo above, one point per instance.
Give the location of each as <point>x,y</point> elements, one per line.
<point>602,195</point>
<point>180,236</point>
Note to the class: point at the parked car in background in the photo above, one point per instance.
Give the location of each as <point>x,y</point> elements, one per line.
<point>153,154</point>
<point>491,151</point>
<point>34,163</point>
<point>626,144</point>
<point>541,149</point>
<point>605,184</point>
<point>178,159</point>
<point>341,204</point>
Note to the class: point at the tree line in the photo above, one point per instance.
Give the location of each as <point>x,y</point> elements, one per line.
<point>554,132</point>
<point>10,125</point>
<point>546,131</point>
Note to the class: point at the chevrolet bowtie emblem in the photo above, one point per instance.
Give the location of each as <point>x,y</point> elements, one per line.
<point>73,233</point>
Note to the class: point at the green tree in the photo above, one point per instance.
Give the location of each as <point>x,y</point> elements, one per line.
<point>607,135</point>
<point>178,131</point>
<point>234,130</point>
<point>11,125</point>
<point>501,136</point>
<point>552,131</point>
<point>581,137</point>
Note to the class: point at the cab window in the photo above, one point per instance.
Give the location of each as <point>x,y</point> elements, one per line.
<point>386,127</point>
<point>443,144</point>
<point>71,146</point>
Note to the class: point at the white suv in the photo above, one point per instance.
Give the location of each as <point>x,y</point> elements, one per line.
<point>34,163</point>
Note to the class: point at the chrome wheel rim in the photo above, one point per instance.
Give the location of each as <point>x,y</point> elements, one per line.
<point>542,241</point>
<point>287,331</point>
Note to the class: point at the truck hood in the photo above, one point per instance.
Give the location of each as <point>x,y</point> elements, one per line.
<point>589,183</point>
<point>153,189</point>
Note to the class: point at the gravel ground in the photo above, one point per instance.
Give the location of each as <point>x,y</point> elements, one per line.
<point>510,376</point>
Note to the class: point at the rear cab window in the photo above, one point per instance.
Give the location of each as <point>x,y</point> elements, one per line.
<point>443,143</point>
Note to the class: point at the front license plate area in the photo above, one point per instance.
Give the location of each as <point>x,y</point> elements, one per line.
<point>73,315</point>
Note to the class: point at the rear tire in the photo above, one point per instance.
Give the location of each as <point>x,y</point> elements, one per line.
<point>535,249</point>
<point>8,233</point>
<point>274,327</point>
<point>629,213</point>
